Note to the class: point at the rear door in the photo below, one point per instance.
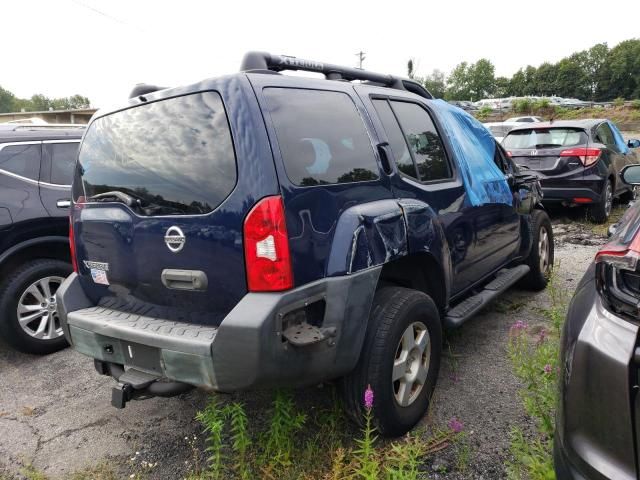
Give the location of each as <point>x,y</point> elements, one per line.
<point>480,238</point>
<point>618,159</point>
<point>56,175</point>
<point>195,163</point>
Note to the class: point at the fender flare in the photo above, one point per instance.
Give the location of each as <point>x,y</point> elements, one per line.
<point>6,255</point>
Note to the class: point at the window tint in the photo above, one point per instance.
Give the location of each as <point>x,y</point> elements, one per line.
<point>176,154</point>
<point>605,135</point>
<point>23,160</point>
<point>62,158</point>
<point>321,137</point>
<point>423,140</point>
<point>396,138</point>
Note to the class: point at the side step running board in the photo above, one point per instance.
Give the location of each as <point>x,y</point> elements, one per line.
<point>472,305</point>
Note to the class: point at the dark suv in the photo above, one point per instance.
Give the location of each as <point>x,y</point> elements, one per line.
<point>262,229</point>
<point>578,162</point>
<point>36,169</point>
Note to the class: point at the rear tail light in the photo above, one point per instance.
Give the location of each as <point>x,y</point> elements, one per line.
<point>582,200</point>
<point>72,245</point>
<point>618,279</point>
<point>588,156</point>
<point>266,247</point>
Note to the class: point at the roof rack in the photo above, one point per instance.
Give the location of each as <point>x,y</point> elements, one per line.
<point>265,62</point>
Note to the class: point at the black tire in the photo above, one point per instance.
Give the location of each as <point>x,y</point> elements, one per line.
<point>10,292</point>
<point>538,275</point>
<point>600,212</point>
<point>394,310</point>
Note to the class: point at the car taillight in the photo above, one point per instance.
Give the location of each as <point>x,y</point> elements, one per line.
<point>618,278</point>
<point>72,245</point>
<point>588,156</point>
<point>266,247</point>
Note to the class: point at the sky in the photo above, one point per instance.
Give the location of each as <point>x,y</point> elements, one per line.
<point>102,48</point>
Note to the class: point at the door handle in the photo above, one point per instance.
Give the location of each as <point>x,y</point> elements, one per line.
<point>184,279</point>
<point>63,203</point>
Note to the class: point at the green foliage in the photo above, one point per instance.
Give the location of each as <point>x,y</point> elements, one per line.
<point>533,460</point>
<point>212,417</point>
<point>403,459</point>
<point>10,103</point>
<point>366,458</point>
<point>436,83</point>
<point>522,105</point>
<point>618,102</point>
<point>280,437</point>
<point>635,104</point>
<point>241,441</point>
<point>484,112</point>
<point>534,355</point>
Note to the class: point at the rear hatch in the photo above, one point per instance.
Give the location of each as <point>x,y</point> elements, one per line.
<point>160,200</point>
<point>549,150</point>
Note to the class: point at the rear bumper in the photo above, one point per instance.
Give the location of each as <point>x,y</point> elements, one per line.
<point>568,194</point>
<point>247,350</point>
<point>594,436</point>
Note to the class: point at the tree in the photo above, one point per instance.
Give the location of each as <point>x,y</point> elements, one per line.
<point>546,79</point>
<point>39,103</point>
<point>482,82</point>
<point>530,87</point>
<point>572,79</point>
<point>436,83</point>
<point>502,87</point>
<point>619,75</point>
<point>517,84</point>
<point>7,101</point>
<point>458,87</point>
<point>595,58</point>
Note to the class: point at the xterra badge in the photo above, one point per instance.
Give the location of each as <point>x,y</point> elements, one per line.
<point>98,271</point>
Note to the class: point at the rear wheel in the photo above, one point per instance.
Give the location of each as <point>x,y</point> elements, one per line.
<point>600,212</point>
<point>400,360</point>
<point>540,259</point>
<point>28,311</point>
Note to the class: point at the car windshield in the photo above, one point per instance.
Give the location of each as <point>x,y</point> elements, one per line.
<point>545,138</point>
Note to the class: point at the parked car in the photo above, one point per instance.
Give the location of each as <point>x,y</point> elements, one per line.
<point>525,119</point>
<point>353,230</point>
<point>36,164</point>
<point>578,162</point>
<point>464,104</point>
<point>597,417</point>
<point>500,129</point>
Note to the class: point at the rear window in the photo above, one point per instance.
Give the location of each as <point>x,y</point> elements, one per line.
<point>321,136</point>
<point>545,138</point>
<point>176,155</point>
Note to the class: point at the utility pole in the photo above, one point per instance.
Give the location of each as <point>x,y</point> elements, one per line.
<point>361,58</point>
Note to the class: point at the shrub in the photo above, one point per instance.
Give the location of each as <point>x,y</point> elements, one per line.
<point>636,104</point>
<point>618,102</point>
<point>484,112</point>
<point>522,105</point>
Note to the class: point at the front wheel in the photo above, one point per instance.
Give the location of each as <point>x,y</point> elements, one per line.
<point>400,360</point>
<point>540,258</point>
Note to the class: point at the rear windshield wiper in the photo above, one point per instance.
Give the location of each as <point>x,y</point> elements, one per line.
<point>117,195</point>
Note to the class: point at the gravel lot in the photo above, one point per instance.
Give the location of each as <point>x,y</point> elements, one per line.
<point>55,411</point>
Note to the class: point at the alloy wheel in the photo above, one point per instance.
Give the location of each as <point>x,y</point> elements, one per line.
<point>411,364</point>
<point>38,311</point>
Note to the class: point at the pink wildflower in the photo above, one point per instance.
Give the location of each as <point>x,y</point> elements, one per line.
<point>368,398</point>
<point>542,337</point>
<point>455,425</point>
<point>547,369</point>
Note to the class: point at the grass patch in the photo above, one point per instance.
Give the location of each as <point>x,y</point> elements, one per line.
<point>535,360</point>
<point>616,213</point>
<point>312,445</point>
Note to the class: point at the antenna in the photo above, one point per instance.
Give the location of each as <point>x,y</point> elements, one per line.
<point>361,56</point>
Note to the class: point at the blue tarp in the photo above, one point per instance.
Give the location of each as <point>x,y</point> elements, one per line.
<point>620,143</point>
<point>474,148</point>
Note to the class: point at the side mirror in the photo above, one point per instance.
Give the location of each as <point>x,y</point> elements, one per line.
<point>631,174</point>
<point>633,143</point>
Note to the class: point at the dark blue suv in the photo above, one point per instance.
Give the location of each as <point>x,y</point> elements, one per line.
<point>261,230</point>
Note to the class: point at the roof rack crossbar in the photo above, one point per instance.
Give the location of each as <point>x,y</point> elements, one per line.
<point>261,61</point>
